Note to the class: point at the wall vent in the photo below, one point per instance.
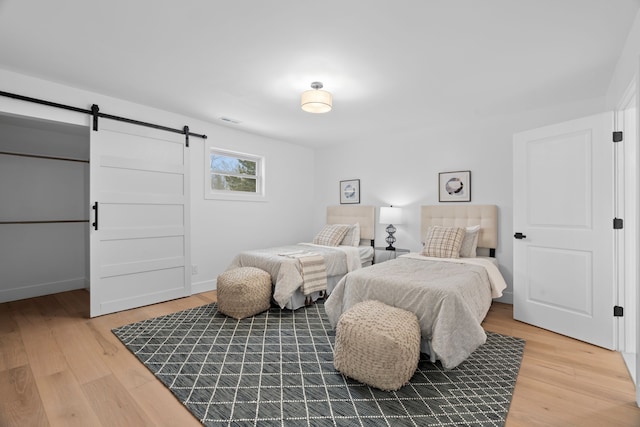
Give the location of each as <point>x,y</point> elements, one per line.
<point>230,120</point>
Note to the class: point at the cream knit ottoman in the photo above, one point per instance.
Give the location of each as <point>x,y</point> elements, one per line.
<point>244,292</point>
<point>377,344</point>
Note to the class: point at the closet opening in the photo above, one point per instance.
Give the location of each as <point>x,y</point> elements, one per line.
<point>44,208</point>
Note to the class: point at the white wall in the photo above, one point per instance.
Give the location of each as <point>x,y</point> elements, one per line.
<point>220,229</point>
<point>626,68</point>
<point>402,170</point>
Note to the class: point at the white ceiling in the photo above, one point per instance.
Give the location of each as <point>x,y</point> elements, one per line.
<point>391,65</point>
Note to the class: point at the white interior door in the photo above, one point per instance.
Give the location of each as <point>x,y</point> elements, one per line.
<point>139,178</point>
<point>563,204</point>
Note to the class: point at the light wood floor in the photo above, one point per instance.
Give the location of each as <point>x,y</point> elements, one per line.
<point>59,368</point>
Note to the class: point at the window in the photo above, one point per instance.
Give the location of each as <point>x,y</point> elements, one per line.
<point>233,176</point>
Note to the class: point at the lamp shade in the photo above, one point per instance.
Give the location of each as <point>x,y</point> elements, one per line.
<point>390,215</point>
<point>316,101</point>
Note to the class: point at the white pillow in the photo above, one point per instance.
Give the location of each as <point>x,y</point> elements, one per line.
<point>470,242</point>
<point>352,238</point>
<point>443,242</point>
<point>331,234</point>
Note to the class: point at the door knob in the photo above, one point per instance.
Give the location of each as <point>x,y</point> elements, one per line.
<point>519,236</point>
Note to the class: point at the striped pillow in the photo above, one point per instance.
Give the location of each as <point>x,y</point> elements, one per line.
<point>331,234</point>
<point>443,242</point>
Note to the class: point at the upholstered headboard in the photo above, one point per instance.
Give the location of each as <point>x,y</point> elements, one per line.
<point>463,216</point>
<point>350,214</point>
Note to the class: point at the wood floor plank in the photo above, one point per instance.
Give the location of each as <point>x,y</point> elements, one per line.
<point>65,402</point>
<point>76,341</point>
<point>76,303</point>
<point>43,351</point>
<point>7,322</point>
<point>12,351</point>
<point>559,406</point>
<point>590,381</point>
<point>20,403</point>
<point>113,404</point>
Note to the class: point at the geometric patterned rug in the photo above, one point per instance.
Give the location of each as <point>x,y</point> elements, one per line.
<point>276,369</point>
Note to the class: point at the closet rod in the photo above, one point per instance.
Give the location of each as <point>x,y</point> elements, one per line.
<point>38,156</point>
<point>94,111</point>
<point>44,222</point>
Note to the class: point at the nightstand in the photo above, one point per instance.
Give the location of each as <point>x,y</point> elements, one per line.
<point>381,254</point>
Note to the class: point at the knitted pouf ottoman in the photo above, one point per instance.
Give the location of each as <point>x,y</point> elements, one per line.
<point>377,344</point>
<point>244,292</point>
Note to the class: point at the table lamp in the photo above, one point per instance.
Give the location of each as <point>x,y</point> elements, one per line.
<point>390,215</point>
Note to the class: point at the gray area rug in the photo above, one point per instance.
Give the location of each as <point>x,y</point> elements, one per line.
<point>276,369</point>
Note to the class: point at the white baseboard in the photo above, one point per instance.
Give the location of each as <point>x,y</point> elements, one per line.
<point>40,289</point>
<point>507,297</point>
<point>630,361</point>
<point>205,286</point>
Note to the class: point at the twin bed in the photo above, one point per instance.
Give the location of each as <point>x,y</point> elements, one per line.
<point>284,262</point>
<point>450,295</point>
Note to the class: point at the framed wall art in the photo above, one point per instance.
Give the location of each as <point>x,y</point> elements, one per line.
<point>454,186</point>
<point>350,191</point>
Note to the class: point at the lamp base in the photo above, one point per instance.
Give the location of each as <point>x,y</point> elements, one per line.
<point>390,239</point>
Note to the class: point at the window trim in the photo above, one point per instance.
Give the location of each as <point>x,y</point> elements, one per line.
<point>209,193</point>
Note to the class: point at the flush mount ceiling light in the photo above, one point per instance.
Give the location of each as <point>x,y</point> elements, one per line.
<point>316,100</point>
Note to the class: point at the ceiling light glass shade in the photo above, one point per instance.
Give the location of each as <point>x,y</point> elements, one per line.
<point>316,101</point>
<point>390,215</point>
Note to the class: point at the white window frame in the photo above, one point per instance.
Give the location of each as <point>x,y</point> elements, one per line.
<point>209,193</point>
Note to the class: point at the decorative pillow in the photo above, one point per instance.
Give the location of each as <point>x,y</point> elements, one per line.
<point>443,242</point>
<point>352,238</point>
<point>331,234</point>
<point>470,242</point>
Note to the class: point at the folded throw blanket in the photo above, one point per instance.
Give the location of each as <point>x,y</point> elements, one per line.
<point>312,270</point>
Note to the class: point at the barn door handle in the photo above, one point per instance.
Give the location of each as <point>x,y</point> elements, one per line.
<point>95,223</point>
<point>519,236</point>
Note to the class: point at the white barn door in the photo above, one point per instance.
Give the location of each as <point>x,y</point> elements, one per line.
<point>563,208</point>
<point>139,234</point>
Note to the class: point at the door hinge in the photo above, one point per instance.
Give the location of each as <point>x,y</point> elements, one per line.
<point>617,136</point>
<point>618,223</point>
<point>618,311</point>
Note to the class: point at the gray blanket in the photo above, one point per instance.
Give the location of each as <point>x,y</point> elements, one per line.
<point>449,299</point>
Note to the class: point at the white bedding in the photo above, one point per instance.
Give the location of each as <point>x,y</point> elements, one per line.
<point>490,264</point>
<point>366,254</point>
<point>285,271</point>
<point>449,297</point>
